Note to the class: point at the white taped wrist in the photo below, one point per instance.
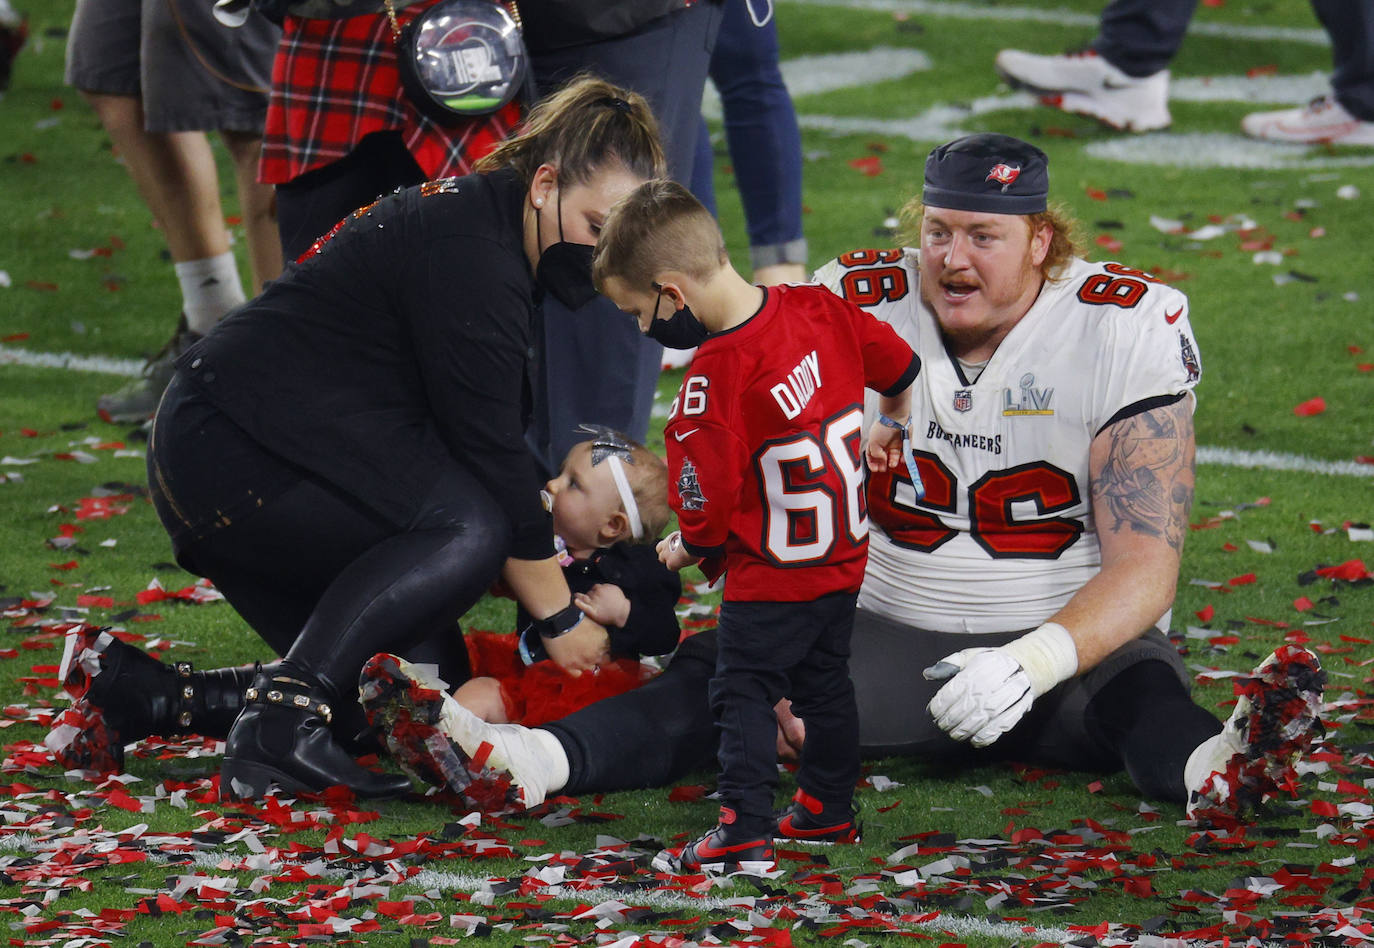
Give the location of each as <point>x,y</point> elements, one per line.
<point>1047,655</point>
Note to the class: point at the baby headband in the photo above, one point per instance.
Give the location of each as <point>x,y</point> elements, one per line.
<point>610,445</point>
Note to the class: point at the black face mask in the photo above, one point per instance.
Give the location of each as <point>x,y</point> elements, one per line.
<point>565,268</point>
<point>682,330</point>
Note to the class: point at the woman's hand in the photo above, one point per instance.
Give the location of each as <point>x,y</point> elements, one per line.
<point>605,603</point>
<point>585,648</point>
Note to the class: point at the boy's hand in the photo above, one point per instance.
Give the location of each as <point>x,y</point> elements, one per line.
<point>606,603</point>
<point>583,649</point>
<point>884,449</point>
<point>672,554</point>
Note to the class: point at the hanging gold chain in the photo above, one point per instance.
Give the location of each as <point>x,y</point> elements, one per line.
<point>391,15</point>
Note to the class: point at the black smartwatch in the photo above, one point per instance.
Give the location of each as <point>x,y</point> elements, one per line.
<point>560,623</point>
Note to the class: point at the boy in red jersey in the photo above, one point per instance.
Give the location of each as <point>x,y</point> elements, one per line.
<point>766,475</point>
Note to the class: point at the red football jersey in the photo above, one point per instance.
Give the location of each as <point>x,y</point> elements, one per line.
<point>765,461</point>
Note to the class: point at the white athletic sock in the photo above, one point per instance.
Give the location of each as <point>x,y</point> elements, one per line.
<point>210,287</point>
<point>1208,758</point>
<point>557,759</point>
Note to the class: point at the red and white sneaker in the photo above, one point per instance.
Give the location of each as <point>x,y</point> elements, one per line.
<point>497,767</point>
<point>1323,121</point>
<point>808,821</point>
<point>1086,84</point>
<point>1275,722</point>
<point>721,851</point>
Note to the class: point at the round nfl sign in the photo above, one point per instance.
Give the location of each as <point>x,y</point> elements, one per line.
<point>462,58</point>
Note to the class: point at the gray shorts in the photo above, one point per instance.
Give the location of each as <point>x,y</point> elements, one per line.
<point>192,73</point>
<point>886,662</point>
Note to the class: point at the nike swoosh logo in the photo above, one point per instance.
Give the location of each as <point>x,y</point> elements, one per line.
<point>681,436</point>
<point>1172,318</point>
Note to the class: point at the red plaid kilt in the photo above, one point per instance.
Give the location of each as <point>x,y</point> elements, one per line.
<point>335,81</point>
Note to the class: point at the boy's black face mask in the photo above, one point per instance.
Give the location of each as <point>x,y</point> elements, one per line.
<point>682,330</point>
<point>565,268</point>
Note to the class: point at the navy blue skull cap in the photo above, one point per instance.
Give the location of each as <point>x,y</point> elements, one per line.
<point>990,173</point>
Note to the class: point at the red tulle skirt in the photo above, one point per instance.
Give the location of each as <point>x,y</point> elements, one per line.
<point>534,694</point>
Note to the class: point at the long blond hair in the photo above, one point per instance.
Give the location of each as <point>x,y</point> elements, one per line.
<point>583,127</point>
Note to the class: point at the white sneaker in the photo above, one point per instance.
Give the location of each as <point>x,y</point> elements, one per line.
<point>1086,84</point>
<point>497,767</point>
<point>1321,121</point>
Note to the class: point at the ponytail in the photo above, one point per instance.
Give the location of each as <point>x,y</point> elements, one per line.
<point>583,127</point>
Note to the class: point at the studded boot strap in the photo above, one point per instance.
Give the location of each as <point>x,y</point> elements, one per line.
<point>289,694</point>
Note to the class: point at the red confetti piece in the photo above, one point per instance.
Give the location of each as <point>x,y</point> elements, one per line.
<point>1206,613</point>
<point>1365,367</point>
<point>1350,570</point>
<point>870,166</point>
<point>1243,580</point>
<point>687,794</point>
<point>1108,243</point>
<point>1229,547</point>
<point>41,285</point>
<point>1302,604</point>
<point>70,564</point>
<point>14,337</point>
<point>1313,406</point>
<point>1095,194</point>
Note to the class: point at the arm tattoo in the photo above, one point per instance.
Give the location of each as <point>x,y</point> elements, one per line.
<point>1146,484</point>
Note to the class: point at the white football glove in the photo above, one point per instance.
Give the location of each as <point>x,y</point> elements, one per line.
<point>990,689</point>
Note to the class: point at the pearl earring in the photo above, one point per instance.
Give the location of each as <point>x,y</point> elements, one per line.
<point>538,202</point>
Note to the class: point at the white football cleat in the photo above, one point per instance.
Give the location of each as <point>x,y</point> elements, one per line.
<point>1275,722</point>
<point>497,767</point>
<point>1323,121</point>
<point>1086,84</point>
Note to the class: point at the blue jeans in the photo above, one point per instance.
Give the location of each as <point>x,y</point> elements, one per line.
<point>762,134</point>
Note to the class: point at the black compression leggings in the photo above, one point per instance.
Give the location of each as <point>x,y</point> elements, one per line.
<point>1149,717</point>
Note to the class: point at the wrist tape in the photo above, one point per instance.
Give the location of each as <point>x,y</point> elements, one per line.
<point>1047,655</point>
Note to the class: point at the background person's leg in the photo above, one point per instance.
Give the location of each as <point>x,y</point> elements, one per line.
<point>1351,28</point>
<point>257,207</point>
<point>764,141</point>
<point>1141,37</point>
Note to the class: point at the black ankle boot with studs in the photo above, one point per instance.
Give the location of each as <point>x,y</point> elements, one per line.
<point>283,739</point>
<point>122,694</point>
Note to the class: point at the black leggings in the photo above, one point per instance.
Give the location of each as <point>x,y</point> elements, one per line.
<point>321,578</point>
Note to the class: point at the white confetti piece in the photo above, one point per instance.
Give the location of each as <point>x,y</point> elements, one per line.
<point>1259,546</point>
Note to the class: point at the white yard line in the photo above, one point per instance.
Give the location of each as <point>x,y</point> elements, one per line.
<point>1274,461</point>
<point>132,368</point>
<point>978,11</point>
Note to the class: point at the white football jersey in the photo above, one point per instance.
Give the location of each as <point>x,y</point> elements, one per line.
<point>1004,535</point>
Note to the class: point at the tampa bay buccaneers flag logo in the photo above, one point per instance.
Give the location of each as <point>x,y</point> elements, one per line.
<point>1003,174</point>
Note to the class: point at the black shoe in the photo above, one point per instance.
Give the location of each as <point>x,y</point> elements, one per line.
<point>810,821</point>
<point>722,850</point>
<point>283,738</point>
<point>122,694</point>
<point>137,401</point>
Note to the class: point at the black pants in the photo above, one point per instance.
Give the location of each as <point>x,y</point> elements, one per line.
<point>1133,712</point>
<point>324,580</point>
<point>767,651</point>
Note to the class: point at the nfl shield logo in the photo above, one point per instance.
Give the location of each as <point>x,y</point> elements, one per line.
<point>963,400</point>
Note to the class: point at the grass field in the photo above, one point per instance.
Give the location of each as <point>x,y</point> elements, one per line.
<point>1282,301</point>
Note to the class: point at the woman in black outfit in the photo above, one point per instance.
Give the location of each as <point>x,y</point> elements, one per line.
<point>344,456</point>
